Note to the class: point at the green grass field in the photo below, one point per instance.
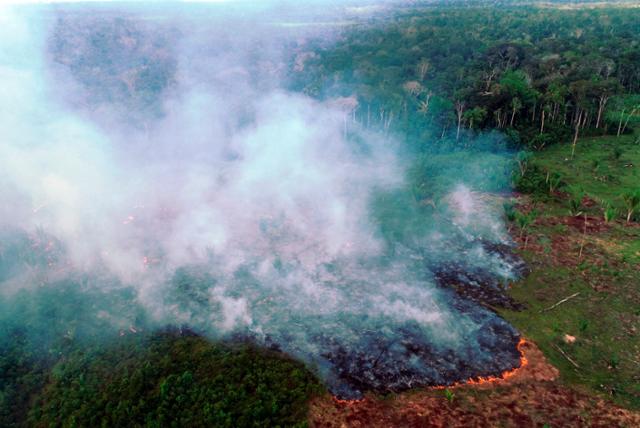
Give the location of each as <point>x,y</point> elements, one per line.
<point>604,167</point>
<point>602,264</point>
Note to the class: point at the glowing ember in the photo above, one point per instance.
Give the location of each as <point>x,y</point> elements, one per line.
<point>348,402</point>
<point>480,380</point>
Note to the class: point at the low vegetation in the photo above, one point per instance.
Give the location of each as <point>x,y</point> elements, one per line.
<point>169,379</point>
<point>585,246</point>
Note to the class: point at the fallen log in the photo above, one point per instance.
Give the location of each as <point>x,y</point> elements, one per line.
<point>560,302</point>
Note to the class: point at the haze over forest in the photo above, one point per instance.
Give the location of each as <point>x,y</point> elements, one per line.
<point>245,213</point>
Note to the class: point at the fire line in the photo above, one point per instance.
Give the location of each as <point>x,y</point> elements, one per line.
<point>480,380</point>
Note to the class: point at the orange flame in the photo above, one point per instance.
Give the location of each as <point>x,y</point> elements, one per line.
<point>492,379</point>
<point>480,380</point>
<point>348,402</point>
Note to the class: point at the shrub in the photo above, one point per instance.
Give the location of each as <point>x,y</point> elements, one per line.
<point>609,212</point>
<point>575,200</point>
<point>524,220</point>
<point>533,182</point>
<point>554,180</point>
<point>449,395</point>
<point>632,202</point>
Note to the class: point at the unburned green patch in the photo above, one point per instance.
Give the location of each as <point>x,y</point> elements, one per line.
<point>174,380</point>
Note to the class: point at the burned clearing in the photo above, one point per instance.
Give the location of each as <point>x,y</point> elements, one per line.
<point>330,214</point>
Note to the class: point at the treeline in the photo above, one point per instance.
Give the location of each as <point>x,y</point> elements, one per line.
<point>541,75</point>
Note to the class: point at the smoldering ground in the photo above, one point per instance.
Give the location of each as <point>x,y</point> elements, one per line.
<point>154,171</point>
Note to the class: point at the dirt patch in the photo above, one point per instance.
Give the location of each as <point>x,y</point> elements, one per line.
<point>531,397</point>
<point>573,246</point>
<point>557,250</point>
<point>578,223</point>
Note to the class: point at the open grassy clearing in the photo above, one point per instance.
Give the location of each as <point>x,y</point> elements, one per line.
<point>593,337</point>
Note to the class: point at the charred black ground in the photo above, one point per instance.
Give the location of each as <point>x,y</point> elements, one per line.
<point>478,285</point>
<point>386,356</point>
<point>408,359</point>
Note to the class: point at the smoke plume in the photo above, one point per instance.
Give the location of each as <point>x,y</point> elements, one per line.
<point>156,167</point>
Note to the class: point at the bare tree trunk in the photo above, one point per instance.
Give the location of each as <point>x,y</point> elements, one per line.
<point>488,79</point>
<point>628,119</point>
<point>387,123</point>
<point>424,105</point>
<point>587,120</point>
<point>459,110</point>
<point>542,122</point>
<point>620,123</point>
<point>602,102</point>
<point>423,68</point>
<point>575,136</point>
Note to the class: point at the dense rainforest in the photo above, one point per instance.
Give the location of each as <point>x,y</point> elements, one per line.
<point>536,73</point>
<point>537,81</point>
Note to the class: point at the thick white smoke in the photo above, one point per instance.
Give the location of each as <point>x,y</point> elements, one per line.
<point>241,208</point>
